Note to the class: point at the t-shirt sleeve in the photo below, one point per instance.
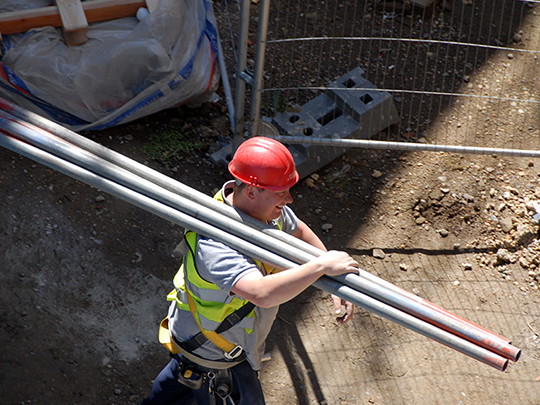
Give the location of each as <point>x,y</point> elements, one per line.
<point>288,220</point>
<point>226,264</point>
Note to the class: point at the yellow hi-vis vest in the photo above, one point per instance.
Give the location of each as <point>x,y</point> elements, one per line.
<point>208,298</point>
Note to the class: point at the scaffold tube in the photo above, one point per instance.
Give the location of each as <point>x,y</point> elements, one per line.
<point>429,313</point>
<point>405,146</point>
<point>46,141</point>
<point>325,283</point>
<point>23,116</point>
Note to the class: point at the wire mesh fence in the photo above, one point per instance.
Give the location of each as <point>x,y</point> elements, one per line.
<point>446,63</point>
<point>460,76</point>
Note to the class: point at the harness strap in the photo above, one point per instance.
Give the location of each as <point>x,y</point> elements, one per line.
<point>167,339</point>
<point>232,319</point>
<point>230,350</point>
<point>210,364</point>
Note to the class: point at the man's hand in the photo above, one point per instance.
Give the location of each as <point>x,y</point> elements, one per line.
<point>349,309</point>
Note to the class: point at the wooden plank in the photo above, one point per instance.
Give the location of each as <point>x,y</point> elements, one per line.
<point>74,22</point>
<point>96,10</point>
<point>72,15</point>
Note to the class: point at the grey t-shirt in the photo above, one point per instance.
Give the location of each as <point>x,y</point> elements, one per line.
<point>219,264</point>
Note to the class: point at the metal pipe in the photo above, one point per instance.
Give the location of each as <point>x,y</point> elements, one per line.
<point>225,81</point>
<point>407,146</point>
<point>251,250</point>
<point>241,67</point>
<point>200,198</point>
<point>429,313</point>
<point>23,115</point>
<point>394,288</point>
<point>413,323</point>
<point>109,171</point>
<point>256,89</point>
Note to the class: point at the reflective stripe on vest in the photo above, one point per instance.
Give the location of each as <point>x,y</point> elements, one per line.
<point>213,306</point>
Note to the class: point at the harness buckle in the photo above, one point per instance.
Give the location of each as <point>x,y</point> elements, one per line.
<point>234,353</point>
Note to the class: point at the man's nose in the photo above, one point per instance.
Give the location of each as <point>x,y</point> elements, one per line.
<point>288,197</point>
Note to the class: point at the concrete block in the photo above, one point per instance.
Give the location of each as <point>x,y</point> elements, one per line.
<point>319,118</point>
<point>350,108</point>
<point>373,109</point>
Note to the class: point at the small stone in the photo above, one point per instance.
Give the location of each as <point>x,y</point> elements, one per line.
<point>376,174</point>
<point>100,198</point>
<point>456,283</point>
<point>326,227</point>
<point>117,391</point>
<point>468,198</point>
<point>310,182</point>
<point>467,266</point>
<point>503,256</point>
<point>436,195</point>
<point>420,220</point>
<point>525,234</point>
<point>516,37</point>
<point>506,224</point>
<point>379,253</point>
<point>523,262</point>
<point>128,137</point>
<point>443,232</point>
<point>510,56</point>
<point>403,267</point>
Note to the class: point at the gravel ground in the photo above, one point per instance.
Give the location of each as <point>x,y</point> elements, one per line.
<point>84,275</point>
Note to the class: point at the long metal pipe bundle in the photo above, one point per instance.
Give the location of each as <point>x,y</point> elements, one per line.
<point>86,167</point>
<point>63,149</point>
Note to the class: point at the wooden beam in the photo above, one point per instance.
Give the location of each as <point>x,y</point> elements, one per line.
<point>97,10</point>
<point>74,21</point>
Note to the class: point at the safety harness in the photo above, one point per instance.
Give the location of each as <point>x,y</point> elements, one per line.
<point>194,371</point>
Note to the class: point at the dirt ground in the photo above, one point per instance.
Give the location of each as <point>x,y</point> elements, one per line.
<point>84,274</point>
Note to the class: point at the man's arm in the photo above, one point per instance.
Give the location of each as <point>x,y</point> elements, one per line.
<point>274,289</point>
<point>305,233</point>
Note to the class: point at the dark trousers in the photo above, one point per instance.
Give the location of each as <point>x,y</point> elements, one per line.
<point>166,390</point>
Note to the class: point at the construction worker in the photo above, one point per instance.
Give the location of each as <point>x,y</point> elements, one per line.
<point>216,355</point>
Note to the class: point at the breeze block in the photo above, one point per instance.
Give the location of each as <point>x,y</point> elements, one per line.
<point>350,107</point>
<point>319,118</point>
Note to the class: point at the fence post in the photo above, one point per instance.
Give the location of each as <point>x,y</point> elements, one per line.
<point>255,113</point>
<point>240,74</point>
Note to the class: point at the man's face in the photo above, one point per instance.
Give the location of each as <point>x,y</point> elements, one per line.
<point>268,204</point>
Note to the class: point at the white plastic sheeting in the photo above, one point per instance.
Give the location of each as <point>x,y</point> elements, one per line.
<point>128,69</point>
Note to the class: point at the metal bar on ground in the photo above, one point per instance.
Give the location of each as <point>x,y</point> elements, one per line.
<point>406,146</point>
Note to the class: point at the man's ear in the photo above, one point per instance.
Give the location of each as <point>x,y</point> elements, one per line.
<point>250,192</point>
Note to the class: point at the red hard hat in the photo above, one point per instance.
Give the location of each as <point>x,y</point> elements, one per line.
<point>264,162</point>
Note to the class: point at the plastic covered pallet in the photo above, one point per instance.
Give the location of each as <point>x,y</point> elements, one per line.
<point>128,69</point>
